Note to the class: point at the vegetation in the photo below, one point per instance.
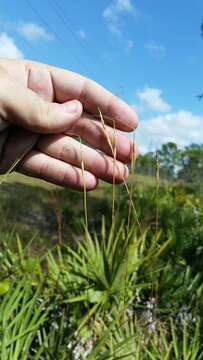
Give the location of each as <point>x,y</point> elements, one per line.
<point>130,288</point>
<point>179,164</point>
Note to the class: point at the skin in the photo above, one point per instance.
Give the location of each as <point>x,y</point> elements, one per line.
<point>43,109</point>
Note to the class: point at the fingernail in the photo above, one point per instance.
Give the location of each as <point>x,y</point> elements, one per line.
<point>70,107</point>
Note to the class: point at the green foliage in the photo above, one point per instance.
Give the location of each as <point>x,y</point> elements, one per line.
<point>104,274</point>
<point>116,291</point>
<point>146,164</point>
<point>191,169</point>
<point>20,320</point>
<point>113,315</point>
<point>170,160</point>
<point>130,340</point>
<point>184,164</point>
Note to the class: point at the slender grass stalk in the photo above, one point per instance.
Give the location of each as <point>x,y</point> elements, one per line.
<point>157,190</point>
<point>155,286</point>
<point>87,317</point>
<point>129,192</point>
<point>85,188</point>
<point>125,183</point>
<point>114,175</point>
<point>112,145</point>
<point>13,166</point>
<point>133,206</point>
<point>132,171</point>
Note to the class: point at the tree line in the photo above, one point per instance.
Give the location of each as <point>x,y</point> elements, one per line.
<point>175,163</point>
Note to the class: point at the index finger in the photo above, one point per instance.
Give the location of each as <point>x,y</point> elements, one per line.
<point>68,85</point>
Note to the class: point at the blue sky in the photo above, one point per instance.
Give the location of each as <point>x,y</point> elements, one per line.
<point>148,52</point>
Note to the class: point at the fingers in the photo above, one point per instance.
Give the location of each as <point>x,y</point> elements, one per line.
<point>93,132</point>
<point>40,165</point>
<point>68,85</point>
<point>52,83</point>
<point>71,151</point>
<point>25,108</point>
<point>93,96</point>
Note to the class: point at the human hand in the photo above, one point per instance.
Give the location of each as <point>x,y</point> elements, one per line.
<point>43,107</point>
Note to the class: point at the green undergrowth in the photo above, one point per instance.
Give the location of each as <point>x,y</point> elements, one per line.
<point>114,295</point>
<point>123,287</point>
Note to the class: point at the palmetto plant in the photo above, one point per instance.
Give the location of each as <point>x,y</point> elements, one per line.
<point>24,334</point>
<point>21,316</point>
<point>29,327</point>
<point>101,278</point>
<point>130,340</point>
<point>103,271</point>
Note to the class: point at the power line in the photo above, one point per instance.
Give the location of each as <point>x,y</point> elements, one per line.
<point>60,12</point>
<point>67,23</point>
<point>57,36</point>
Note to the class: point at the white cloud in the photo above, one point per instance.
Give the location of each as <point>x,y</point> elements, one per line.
<point>138,108</point>
<point>113,14</point>
<point>116,8</point>
<point>152,100</point>
<point>8,48</point>
<point>182,127</point>
<point>82,34</point>
<point>156,50</point>
<point>32,31</point>
<point>115,29</point>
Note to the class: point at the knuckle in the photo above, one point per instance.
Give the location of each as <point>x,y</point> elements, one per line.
<point>44,169</point>
<point>65,151</point>
<point>69,151</point>
<point>43,122</point>
<point>65,177</point>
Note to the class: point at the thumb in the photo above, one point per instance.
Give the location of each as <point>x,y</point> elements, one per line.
<point>25,108</point>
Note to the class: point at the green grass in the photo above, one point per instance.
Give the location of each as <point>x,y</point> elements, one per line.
<point>139,180</point>
<point>29,181</point>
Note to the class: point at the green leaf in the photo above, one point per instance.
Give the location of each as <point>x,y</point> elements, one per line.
<point>30,264</point>
<point>95,296</point>
<point>85,332</point>
<point>4,286</point>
